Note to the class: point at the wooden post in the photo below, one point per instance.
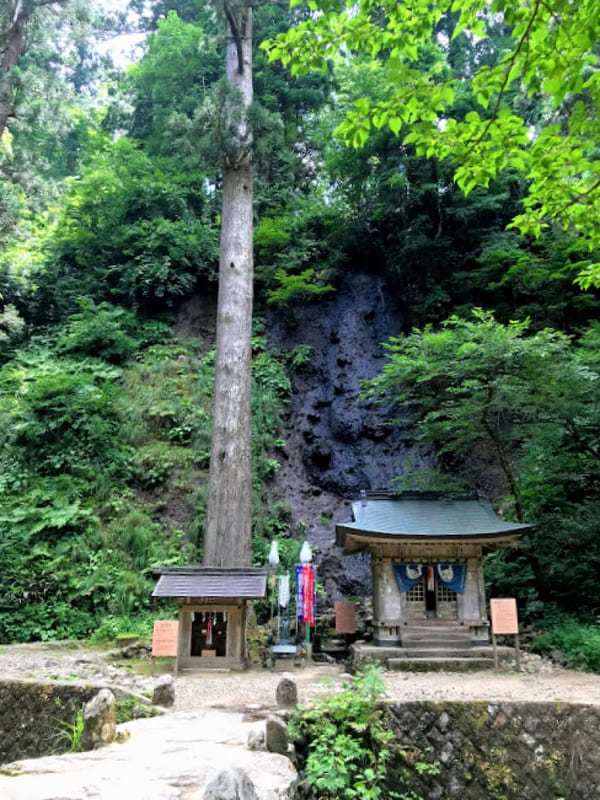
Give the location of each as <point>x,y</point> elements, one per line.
<point>517,654</point>
<point>494,645</point>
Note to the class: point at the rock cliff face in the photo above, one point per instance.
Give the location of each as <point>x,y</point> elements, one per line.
<point>337,443</point>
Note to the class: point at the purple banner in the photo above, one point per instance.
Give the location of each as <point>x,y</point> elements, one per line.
<point>299,605</point>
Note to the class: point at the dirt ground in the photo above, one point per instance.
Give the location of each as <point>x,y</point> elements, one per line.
<point>255,688</point>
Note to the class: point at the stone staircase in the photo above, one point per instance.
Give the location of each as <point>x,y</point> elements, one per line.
<point>439,646</point>
<point>432,646</point>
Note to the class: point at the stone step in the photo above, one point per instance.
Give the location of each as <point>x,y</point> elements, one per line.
<point>439,664</point>
<point>439,652</point>
<point>433,644</point>
<point>434,630</point>
<point>420,640</point>
<point>434,623</point>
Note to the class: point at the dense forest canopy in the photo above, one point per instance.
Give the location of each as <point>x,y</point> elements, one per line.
<point>110,214</point>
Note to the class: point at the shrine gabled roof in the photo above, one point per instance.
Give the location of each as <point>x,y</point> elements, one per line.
<point>245,582</point>
<point>426,518</point>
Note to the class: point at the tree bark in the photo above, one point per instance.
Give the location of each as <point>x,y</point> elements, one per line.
<point>12,47</point>
<point>228,533</point>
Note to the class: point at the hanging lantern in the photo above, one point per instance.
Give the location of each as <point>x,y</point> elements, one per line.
<point>305,553</point>
<point>274,553</point>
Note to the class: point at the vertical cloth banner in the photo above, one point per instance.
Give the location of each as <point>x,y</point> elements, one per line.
<point>430,579</point>
<point>299,603</point>
<point>308,594</point>
<point>284,591</point>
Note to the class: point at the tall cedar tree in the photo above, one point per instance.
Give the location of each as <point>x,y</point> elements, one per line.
<point>13,23</point>
<point>227,536</point>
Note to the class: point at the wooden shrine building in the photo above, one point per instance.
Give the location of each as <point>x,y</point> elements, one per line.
<point>426,559</point>
<point>212,612</point>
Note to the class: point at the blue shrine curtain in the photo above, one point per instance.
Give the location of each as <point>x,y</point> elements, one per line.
<point>452,575</point>
<point>407,575</point>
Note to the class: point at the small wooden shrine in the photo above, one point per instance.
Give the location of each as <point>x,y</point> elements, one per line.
<point>212,612</point>
<point>426,559</point>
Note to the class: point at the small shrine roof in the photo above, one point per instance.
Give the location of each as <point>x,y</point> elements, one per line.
<point>215,582</point>
<point>431,517</point>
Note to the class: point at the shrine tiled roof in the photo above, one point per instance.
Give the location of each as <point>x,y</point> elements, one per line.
<point>214,582</point>
<point>426,518</point>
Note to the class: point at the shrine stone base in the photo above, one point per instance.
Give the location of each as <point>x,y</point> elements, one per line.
<point>428,659</point>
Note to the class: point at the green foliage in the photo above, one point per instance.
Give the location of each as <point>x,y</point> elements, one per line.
<point>292,287</point>
<point>132,229</point>
<point>141,624</point>
<point>76,542</point>
<point>547,54</point>
<point>70,732</point>
<point>525,405</point>
<point>172,78</point>
<point>301,247</point>
<point>578,643</point>
<point>478,382</point>
<point>428,480</point>
<point>130,708</point>
<point>349,744</point>
<point>299,356</point>
<point>108,332</point>
<point>12,328</point>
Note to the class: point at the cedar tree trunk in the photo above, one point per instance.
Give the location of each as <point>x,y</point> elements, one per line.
<point>227,535</point>
<point>12,47</point>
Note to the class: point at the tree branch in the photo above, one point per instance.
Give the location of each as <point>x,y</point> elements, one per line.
<point>508,70</point>
<point>579,196</point>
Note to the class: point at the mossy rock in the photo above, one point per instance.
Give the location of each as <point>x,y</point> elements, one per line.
<point>126,639</point>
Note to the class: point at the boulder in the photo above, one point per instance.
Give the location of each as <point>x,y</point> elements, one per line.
<point>256,740</point>
<point>276,736</point>
<point>231,784</point>
<point>164,691</point>
<point>99,722</point>
<point>287,692</point>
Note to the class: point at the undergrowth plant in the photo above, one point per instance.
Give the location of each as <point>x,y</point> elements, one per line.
<point>350,747</point>
<point>578,643</point>
<point>70,733</point>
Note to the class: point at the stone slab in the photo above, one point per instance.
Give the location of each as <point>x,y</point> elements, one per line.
<point>164,758</point>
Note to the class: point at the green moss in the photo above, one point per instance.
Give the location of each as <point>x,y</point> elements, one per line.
<point>499,779</point>
<point>124,710</point>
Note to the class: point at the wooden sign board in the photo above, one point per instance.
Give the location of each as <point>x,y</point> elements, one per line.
<point>164,638</point>
<point>345,616</point>
<point>504,616</point>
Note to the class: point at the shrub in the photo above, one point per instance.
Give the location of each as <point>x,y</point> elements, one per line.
<point>349,744</point>
<point>579,643</point>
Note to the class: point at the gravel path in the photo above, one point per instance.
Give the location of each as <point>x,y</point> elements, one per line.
<point>254,690</point>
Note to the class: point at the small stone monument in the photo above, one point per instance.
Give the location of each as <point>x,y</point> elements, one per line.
<point>287,692</point>
<point>99,722</point>
<point>256,740</point>
<point>164,691</point>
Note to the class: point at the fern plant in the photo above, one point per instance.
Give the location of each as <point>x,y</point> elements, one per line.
<point>70,733</point>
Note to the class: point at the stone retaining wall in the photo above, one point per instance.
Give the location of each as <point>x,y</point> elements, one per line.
<point>31,714</point>
<point>500,751</point>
